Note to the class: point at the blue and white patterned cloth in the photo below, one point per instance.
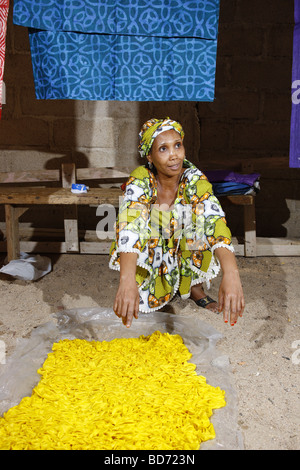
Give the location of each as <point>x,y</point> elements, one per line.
<point>114,50</point>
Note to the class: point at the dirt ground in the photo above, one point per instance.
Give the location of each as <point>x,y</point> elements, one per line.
<point>263,347</point>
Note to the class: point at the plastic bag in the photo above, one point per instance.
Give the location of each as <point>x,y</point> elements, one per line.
<point>28,267</point>
<point>19,375</point>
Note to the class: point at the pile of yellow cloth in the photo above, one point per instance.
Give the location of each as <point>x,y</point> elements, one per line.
<point>128,393</point>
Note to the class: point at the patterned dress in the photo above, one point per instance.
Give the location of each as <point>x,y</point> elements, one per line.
<point>175,248</point>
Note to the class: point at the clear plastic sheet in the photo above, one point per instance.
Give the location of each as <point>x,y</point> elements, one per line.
<point>18,376</point>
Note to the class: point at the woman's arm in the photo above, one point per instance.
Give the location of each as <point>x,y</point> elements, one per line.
<point>126,305</point>
<point>231,297</point>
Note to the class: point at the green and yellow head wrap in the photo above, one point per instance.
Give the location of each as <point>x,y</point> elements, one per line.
<point>152,128</point>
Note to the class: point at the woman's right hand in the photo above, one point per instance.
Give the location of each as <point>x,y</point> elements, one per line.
<point>126,305</point>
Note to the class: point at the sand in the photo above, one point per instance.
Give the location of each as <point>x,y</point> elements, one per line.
<point>262,346</point>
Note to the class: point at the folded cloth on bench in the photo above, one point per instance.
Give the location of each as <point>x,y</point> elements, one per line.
<point>230,183</point>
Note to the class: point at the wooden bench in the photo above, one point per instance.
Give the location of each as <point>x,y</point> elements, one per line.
<point>21,190</point>
<point>18,198</point>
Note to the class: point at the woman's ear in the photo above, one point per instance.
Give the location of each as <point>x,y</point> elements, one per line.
<point>150,164</point>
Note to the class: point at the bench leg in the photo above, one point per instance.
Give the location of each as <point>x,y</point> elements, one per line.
<point>250,230</point>
<point>12,232</point>
<point>71,228</point>
<point>70,212</point>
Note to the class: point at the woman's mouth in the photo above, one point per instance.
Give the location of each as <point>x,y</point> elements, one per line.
<point>175,166</point>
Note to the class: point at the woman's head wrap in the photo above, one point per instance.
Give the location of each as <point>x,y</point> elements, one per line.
<point>152,128</point>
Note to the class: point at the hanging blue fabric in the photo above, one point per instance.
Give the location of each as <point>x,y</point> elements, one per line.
<point>122,50</point>
<point>295,117</point>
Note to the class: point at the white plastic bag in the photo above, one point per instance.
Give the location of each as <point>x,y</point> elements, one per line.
<point>28,267</point>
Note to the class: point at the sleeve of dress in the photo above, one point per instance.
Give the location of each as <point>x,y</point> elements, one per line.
<point>132,225</point>
<point>209,223</point>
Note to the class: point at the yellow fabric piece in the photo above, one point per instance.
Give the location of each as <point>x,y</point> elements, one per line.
<point>137,394</point>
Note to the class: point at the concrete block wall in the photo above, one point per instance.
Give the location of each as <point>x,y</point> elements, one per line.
<point>250,117</point>
<point>249,121</point>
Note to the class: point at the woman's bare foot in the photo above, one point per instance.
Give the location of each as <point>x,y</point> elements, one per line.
<point>197,294</point>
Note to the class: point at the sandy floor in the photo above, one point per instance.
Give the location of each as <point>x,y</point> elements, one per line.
<point>264,357</point>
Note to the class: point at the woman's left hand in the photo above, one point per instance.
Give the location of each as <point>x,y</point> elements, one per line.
<point>231,297</point>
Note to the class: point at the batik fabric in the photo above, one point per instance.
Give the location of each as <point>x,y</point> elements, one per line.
<point>116,50</point>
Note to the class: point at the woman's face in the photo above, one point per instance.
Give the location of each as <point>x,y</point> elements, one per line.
<point>167,153</point>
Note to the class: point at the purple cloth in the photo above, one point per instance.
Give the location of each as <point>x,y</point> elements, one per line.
<point>295,115</point>
<point>225,175</point>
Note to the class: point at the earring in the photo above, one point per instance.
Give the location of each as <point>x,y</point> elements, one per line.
<point>150,164</point>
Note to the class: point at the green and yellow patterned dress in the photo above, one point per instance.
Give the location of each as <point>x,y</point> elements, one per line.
<point>175,248</point>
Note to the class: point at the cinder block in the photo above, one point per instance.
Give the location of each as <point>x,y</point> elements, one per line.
<point>24,132</point>
<point>277,106</point>
<point>18,70</point>
<point>227,12</point>
<point>266,12</point>
<point>122,109</point>
<point>75,133</point>
<point>50,109</point>
<point>240,40</point>
<point>128,130</point>
<point>266,74</point>
<point>96,157</point>
<point>110,109</point>
<point>231,104</point>
<point>20,38</point>
<point>214,135</point>
<point>265,137</point>
<point>8,109</point>
<point>96,109</point>
<point>280,41</point>
<point>20,160</point>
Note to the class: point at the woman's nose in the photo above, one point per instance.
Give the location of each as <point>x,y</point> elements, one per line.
<point>173,152</point>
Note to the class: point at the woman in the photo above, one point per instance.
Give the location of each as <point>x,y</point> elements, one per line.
<point>171,234</point>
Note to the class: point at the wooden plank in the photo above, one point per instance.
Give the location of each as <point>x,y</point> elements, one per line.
<point>250,230</point>
<point>59,196</point>
<point>278,250</point>
<point>29,176</point>
<point>43,247</point>
<point>265,247</point>
<point>12,233</point>
<point>277,247</point>
<point>239,199</point>
<point>68,176</point>
<point>100,248</point>
<point>20,211</point>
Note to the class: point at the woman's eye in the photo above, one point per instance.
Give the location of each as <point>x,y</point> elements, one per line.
<point>162,149</point>
<point>178,145</point>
